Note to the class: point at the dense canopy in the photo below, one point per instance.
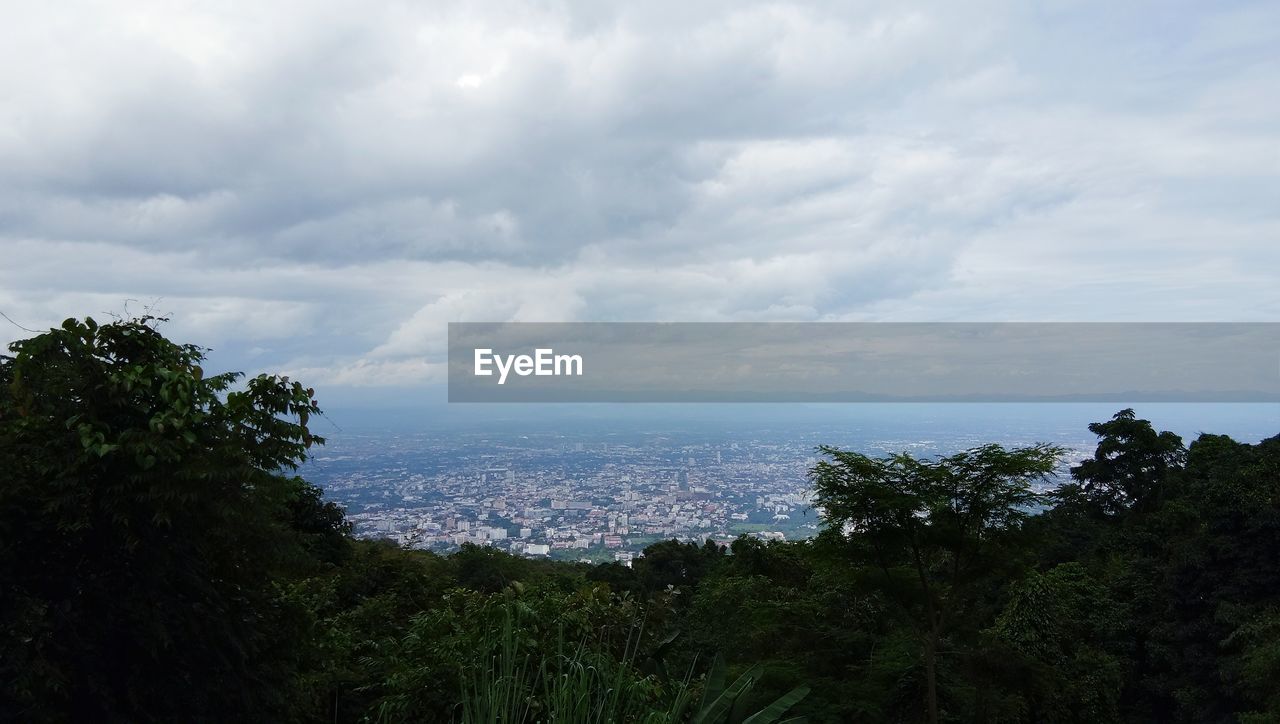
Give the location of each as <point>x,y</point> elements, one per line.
<point>160,560</point>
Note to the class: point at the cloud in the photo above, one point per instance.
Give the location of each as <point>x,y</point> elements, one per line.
<point>322,187</point>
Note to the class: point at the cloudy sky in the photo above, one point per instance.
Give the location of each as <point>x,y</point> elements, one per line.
<point>320,187</point>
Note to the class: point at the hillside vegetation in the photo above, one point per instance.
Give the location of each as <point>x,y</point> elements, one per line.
<point>160,560</point>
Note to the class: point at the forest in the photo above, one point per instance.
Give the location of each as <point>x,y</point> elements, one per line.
<point>162,560</point>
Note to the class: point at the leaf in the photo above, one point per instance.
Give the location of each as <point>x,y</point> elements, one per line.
<point>770,713</point>
<point>715,681</point>
<point>715,712</point>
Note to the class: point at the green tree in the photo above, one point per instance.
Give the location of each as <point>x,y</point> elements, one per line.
<point>1205,565</point>
<point>933,529</point>
<point>145,508</point>
<point>672,563</point>
<point>1051,641</point>
<point>1130,465</point>
<point>353,618</point>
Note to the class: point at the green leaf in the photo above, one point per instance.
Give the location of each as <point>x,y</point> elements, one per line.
<point>771,713</point>
<point>715,681</point>
<point>719,708</point>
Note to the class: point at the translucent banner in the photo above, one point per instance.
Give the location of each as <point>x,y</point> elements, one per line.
<point>864,362</point>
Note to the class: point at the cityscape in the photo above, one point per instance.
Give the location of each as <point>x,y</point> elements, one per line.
<point>597,494</point>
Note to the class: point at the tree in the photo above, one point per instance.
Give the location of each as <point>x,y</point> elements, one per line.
<point>144,511</point>
<point>1210,580</point>
<point>932,529</point>
<point>1130,465</point>
<point>1051,645</point>
<point>672,563</point>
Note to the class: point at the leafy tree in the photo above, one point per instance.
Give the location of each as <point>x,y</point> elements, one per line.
<point>321,525</point>
<point>672,563</point>
<point>620,578</point>
<point>144,511</point>
<point>486,569</point>
<point>782,563</point>
<point>352,616</point>
<point>1130,465</point>
<point>1253,664</point>
<point>1205,567</point>
<point>1052,641</point>
<point>933,529</point>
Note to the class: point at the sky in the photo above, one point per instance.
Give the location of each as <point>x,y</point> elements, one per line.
<point>317,188</point>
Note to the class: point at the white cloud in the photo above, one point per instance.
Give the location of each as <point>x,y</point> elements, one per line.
<point>322,187</point>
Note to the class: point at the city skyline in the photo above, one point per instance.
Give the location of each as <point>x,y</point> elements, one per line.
<point>601,485</point>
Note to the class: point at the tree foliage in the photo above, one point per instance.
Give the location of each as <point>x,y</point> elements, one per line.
<point>162,559</point>
<point>1131,465</point>
<point>933,528</point>
<point>145,510</point>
